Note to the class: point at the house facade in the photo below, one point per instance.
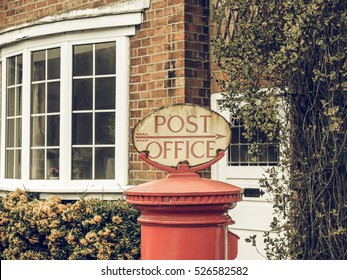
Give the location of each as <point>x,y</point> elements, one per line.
<point>76,77</point>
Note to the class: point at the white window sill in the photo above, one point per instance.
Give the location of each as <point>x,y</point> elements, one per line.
<point>65,193</point>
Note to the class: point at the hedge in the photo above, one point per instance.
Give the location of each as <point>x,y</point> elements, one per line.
<point>87,229</point>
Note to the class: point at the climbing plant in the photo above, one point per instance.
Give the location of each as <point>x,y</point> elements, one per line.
<point>283,71</point>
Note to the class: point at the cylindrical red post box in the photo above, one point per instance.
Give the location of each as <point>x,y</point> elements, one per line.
<point>184,217</point>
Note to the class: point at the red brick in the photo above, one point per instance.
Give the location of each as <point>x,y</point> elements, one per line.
<point>157,4</point>
<point>50,2</point>
<point>145,95</point>
<point>159,39</point>
<point>158,93</point>
<point>142,87</point>
<point>146,77</point>
<point>159,57</point>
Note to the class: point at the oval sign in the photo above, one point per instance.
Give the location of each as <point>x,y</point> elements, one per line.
<point>182,133</point>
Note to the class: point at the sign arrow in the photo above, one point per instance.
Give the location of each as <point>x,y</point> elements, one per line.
<point>144,137</point>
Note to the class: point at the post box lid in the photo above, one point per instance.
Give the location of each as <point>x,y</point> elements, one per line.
<point>184,189</point>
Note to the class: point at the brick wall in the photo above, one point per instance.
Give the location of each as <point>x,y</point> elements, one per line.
<point>17,12</point>
<point>169,64</point>
<point>215,70</point>
<point>197,66</point>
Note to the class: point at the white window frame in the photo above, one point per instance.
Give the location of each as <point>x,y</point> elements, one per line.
<point>221,169</point>
<point>66,42</point>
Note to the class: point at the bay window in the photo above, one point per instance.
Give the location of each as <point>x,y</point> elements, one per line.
<point>65,113</point>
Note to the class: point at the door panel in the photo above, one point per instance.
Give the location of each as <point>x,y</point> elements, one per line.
<point>253,215</point>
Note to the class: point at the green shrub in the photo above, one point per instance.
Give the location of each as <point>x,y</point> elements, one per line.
<point>49,229</point>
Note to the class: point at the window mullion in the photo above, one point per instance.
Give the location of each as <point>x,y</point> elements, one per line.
<point>65,112</point>
<point>46,104</point>
<point>93,114</point>
<point>26,119</point>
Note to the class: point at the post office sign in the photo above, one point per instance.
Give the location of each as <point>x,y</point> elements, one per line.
<point>182,133</point>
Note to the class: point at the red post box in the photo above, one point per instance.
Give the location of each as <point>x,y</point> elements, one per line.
<point>184,217</point>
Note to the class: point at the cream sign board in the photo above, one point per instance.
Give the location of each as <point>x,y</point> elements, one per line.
<point>182,133</point>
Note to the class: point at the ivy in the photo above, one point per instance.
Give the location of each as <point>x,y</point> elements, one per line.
<point>285,74</point>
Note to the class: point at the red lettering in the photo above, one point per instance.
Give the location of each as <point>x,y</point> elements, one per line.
<point>194,124</point>
<point>177,148</point>
<point>205,121</point>
<point>160,150</point>
<point>157,123</point>
<point>192,149</point>
<point>166,148</point>
<point>180,124</point>
<point>209,149</point>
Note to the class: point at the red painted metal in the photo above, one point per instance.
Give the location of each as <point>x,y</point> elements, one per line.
<point>182,167</point>
<point>184,217</point>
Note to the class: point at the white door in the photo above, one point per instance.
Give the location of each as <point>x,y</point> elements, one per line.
<point>253,214</point>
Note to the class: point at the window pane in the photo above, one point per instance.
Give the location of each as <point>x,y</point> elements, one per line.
<point>37,164</point>
<point>262,137</point>
<point>83,60</point>
<point>53,97</point>
<point>11,71</point>
<point>19,101</point>
<point>104,163</point>
<point>83,94</point>
<point>10,133</point>
<point>262,155</point>
<point>38,99</point>
<point>38,131</point>
<point>235,131</point>
<point>273,153</point>
<point>243,139</point>
<point>82,163</point>
<point>18,164</point>
<point>18,132</point>
<point>104,128</point>
<point>53,64</point>
<point>19,69</point>
<point>52,163</point>
<point>244,153</point>
<point>105,58</point>
<point>38,65</point>
<point>105,93</point>
<point>11,101</point>
<point>53,124</point>
<point>82,129</point>
<point>10,164</point>
<point>234,154</point>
